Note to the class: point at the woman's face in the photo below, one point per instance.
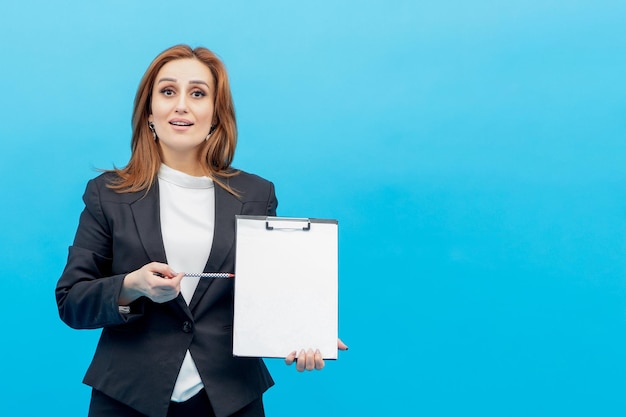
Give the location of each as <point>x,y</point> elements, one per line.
<point>182,107</point>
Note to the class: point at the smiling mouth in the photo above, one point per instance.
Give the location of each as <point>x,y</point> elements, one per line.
<point>176,123</point>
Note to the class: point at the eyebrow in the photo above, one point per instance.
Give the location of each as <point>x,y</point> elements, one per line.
<point>190,82</point>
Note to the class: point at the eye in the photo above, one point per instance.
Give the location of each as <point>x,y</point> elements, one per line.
<point>198,93</point>
<point>168,92</point>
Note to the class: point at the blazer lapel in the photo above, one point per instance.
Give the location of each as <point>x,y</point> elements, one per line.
<point>226,207</point>
<point>147,215</point>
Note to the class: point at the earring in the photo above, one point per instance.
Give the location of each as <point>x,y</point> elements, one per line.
<point>151,126</point>
<point>213,127</point>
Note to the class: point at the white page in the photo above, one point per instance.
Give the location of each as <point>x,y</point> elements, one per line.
<point>285,287</point>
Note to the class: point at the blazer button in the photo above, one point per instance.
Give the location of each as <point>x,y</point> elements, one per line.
<point>187,327</point>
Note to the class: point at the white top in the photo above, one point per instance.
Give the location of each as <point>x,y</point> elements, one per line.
<point>187,223</point>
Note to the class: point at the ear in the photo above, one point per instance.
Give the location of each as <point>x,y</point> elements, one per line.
<point>150,118</point>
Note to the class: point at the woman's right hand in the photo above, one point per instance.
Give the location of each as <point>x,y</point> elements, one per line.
<point>155,280</point>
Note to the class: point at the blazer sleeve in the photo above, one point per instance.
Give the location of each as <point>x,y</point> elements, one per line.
<point>87,292</point>
<point>272,201</point>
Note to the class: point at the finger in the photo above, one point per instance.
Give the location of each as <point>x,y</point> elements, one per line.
<point>310,360</point>
<point>167,284</point>
<point>166,290</point>
<point>341,345</point>
<point>319,360</point>
<point>301,362</point>
<point>177,278</point>
<point>161,270</point>
<point>165,293</point>
<point>290,358</point>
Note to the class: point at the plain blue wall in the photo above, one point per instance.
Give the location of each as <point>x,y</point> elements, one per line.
<point>472,151</point>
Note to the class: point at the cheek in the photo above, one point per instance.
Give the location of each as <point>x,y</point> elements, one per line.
<point>159,109</point>
<point>206,111</point>
<point>159,118</point>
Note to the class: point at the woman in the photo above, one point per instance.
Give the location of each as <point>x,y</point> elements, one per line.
<point>166,343</point>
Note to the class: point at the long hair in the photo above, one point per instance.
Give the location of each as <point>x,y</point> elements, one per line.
<point>216,153</point>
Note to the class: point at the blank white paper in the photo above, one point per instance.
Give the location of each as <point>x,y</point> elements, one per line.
<point>286,287</point>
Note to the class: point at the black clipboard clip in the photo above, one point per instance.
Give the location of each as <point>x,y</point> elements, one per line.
<point>287,224</point>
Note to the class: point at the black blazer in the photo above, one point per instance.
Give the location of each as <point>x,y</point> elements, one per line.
<point>140,353</point>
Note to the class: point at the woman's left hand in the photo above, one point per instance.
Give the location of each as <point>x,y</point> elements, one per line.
<point>309,360</point>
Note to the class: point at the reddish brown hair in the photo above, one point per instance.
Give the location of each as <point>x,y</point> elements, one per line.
<point>216,153</point>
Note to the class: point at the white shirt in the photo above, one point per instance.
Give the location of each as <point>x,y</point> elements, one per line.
<point>187,206</point>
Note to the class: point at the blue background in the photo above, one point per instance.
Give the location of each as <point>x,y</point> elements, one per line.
<point>472,151</point>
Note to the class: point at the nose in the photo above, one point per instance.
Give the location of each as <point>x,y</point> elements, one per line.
<point>181,106</point>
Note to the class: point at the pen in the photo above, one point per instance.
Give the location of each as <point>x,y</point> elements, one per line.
<point>202,274</point>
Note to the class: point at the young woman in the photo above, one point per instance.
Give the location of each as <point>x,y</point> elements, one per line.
<point>166,342</point>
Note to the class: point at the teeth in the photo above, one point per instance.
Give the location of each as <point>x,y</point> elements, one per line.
<point>181,123</point>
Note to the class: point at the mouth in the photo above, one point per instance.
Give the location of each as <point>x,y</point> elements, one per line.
<point>180,122</point>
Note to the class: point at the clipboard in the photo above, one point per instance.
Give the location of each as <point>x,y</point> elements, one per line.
<point>286,286</point>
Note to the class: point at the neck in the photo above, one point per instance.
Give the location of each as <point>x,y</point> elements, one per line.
<point>187,163</point>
